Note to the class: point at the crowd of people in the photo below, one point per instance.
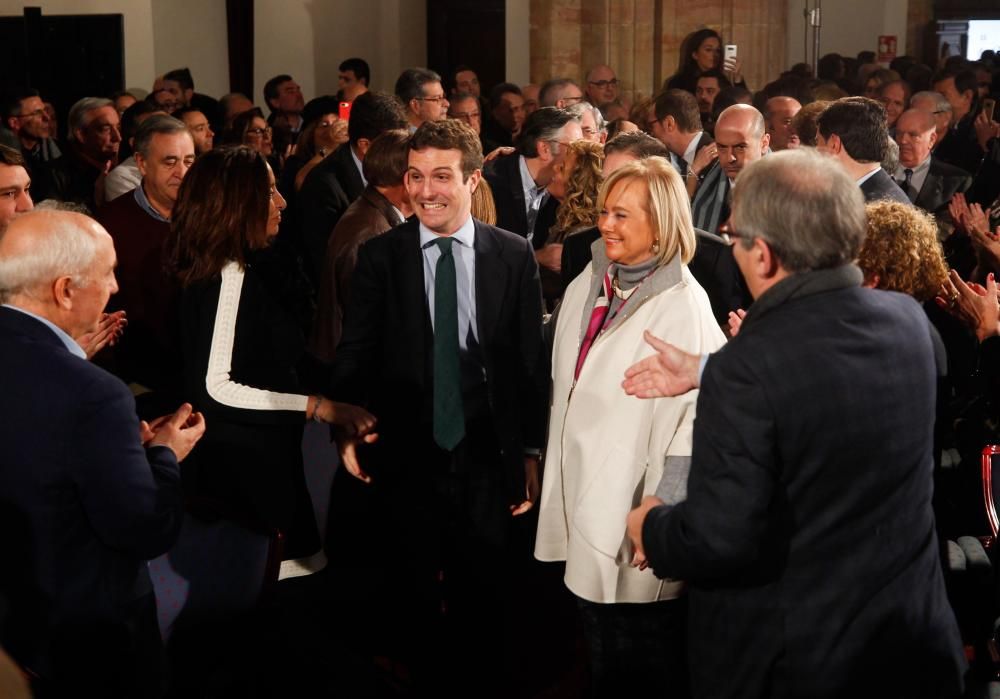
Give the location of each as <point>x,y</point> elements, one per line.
<point>687,388</point>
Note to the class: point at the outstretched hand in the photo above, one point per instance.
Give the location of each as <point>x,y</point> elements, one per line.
<point>348,447</point>
<point>669,372</point>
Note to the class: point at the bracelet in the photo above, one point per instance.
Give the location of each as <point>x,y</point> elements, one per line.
<point>316,417</point>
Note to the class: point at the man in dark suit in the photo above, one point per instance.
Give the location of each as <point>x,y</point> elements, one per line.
<point>928,182</point>
<point>93,502</point>
<point>678,127</point>
<point>337,181</point>
<point>853,131</point>
<point>959,146</point>
<point>443,343</point>
<point>519,181</point>
<point>807,538</point>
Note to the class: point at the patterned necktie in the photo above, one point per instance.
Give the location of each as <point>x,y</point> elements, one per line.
<point>449,420</point>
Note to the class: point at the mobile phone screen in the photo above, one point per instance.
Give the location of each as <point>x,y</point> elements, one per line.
<point>989,105</point>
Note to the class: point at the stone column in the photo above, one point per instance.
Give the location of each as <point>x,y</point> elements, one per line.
<point>641,39</point>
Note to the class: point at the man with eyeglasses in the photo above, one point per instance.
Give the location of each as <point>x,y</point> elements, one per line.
<point>559,93</point>
<point>465,107</point>
<point>602,85</point>
<point>422,96</point>
<point>24,114</point>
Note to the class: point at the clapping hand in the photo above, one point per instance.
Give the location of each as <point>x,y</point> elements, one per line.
<point>108,331</point>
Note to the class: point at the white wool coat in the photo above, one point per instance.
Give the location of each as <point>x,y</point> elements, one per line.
<point>606,450</point>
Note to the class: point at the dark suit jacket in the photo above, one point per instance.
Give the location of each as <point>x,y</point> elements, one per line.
<point>371,215</point>
<point>881,186</point>
<point>703,140</point>
<point>95,504</point>
<point>942,183</point>
<point>504,176</point>
<point>325,195</point>
<point>807,537</point>
<point>385,358</point>
<point>712,265</point>
<point>959,147</point>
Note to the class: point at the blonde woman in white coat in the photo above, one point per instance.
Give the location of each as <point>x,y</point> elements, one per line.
<point>606,450</point>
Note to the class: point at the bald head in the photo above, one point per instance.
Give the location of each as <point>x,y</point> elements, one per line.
<point>779,113</point>
<point>916,134</point>
<point>743,117</point>
<point>58,265</point>
<point>740,138</point>
<point>602,85</point>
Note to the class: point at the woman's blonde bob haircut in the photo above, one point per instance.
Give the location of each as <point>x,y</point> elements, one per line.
<point>666,204</point>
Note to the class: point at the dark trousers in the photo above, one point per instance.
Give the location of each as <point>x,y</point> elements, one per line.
<point>629,643</point>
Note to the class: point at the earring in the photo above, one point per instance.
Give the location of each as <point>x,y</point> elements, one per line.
<point>656,247</point>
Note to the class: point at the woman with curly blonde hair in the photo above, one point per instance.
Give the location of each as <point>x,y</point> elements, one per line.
<point>575,184</point>
<point>901,251</point>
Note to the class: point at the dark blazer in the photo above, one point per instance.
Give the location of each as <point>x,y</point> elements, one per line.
<point>385,358</point>
<point>881,186</point>
<point>325,195</point>
<point>713,266</point>
<point>703,140</point>
<point>959,147</point>
<point>942,183</point>
<point>807,538</point>
<point>94,503</point>
<point>251,460</point>
<point>369,216</point>
<point>504,176</point>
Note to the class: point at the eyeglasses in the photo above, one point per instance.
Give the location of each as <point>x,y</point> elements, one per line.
<point>38,113</point>
<point>464,115</point>
<point>257,133</point>
<point>572,100</point>
<point>431,99</point>
<point>604,83</point>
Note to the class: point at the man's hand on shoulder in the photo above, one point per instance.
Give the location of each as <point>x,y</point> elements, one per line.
<point>178,432</point>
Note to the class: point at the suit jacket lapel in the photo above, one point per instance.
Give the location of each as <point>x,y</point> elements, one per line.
<point>491,281</point>
<point>517,190</point>
<point>931,193</point>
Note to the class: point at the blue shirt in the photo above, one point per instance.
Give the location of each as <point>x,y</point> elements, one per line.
<point>143,201</point>
<point>534,196</point>
<point>69,342</point>
<point>464,252</point>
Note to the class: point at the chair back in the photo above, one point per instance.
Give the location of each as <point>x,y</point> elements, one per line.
<point>991,485</point>
<point>218,568</point>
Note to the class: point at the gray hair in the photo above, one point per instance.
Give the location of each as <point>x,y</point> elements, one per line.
<point>79,113</point>
<point>579,108</point>
<point>940,102</point>
<point>804,206</point>
<point>63,248</point>
<point>551,91</point>
<point>891,159</point>
<point>156,124</point>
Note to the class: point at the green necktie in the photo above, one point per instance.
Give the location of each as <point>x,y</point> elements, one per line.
<point>449,420</point>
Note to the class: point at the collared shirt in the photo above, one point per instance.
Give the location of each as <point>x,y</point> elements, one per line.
<point>918,177</point>
<point>143,201</point>
<point>71,344</point>
<point>464,252</point>
<point>864,178</point>
<point>692,149</point>
<point>357,163</point>
<point>534,196</point>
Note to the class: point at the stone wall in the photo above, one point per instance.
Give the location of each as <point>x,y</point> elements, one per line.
<point>641,39</point>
